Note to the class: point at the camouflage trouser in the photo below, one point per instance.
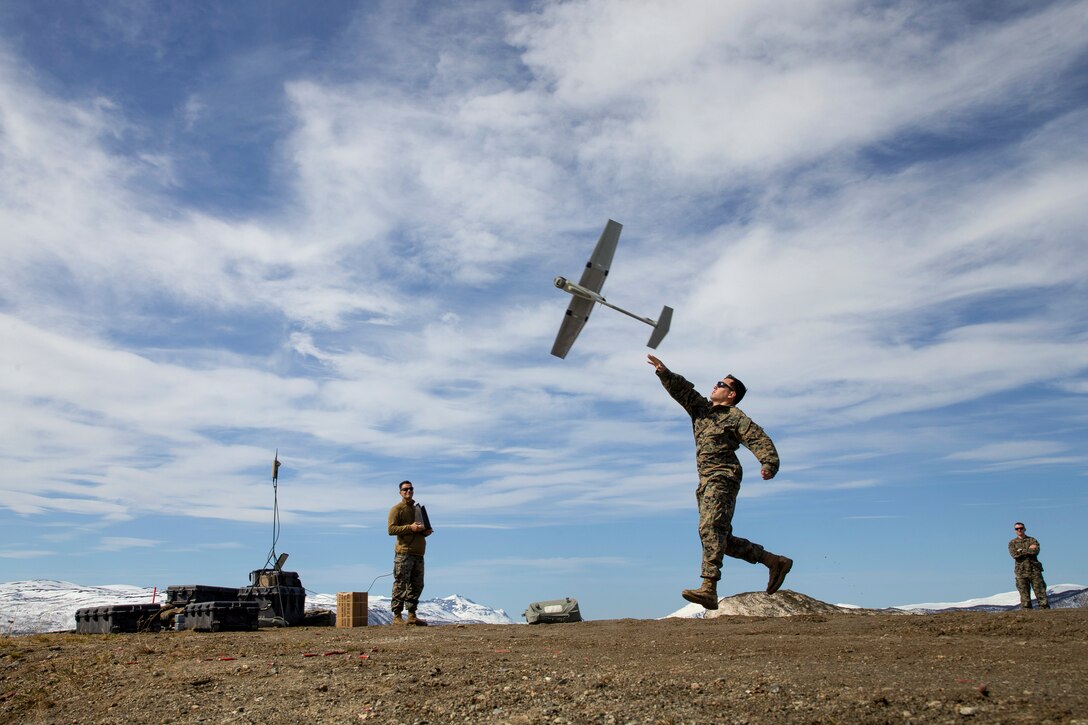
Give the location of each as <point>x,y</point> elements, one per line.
<point>1024,585</point>
<point>407,582</point>
<point>717,497</point>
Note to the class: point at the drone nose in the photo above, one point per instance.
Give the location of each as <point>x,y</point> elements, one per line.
<point>560,282</point>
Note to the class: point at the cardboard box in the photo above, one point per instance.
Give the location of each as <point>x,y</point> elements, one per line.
<point>351,609</point>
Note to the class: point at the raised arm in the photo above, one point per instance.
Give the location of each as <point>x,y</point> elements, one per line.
<point>682,391</point>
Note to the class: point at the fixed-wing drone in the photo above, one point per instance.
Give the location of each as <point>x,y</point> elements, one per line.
<point>588,292</point>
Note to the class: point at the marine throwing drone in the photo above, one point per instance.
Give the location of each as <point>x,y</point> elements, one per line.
<point>587,293</point>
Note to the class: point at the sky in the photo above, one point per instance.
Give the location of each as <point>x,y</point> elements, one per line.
<point>330,230</point>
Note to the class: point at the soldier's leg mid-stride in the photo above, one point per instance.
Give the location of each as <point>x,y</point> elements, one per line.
<point>717,499</point>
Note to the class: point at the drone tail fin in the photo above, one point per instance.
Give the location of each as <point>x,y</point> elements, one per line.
<point>661,328</point>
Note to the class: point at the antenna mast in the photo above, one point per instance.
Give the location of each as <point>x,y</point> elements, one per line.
<point>275,509</point>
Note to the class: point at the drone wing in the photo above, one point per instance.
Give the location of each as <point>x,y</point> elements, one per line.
<point>597,267</point>
<point>592,279</point>
<point>575,319</point>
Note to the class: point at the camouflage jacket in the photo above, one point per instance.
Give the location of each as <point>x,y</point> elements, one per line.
<point>719,430</point>
<point>401,518</point>
<point>1027,562</point>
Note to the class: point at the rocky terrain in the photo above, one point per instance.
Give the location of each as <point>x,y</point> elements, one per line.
<point>872,667</point>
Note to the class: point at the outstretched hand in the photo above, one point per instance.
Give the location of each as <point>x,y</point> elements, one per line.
<point>658,365</point>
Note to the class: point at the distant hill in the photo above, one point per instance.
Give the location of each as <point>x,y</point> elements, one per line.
<point>788,603</point>
<point>43,605</point>
<point>1060,596</point>
<point>783,604</point>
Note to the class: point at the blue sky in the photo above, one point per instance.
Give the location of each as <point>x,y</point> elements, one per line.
<point>331,228</point>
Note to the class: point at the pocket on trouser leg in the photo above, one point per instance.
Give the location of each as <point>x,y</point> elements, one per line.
<point>417,579</point>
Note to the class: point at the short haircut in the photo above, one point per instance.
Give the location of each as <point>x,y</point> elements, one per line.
<point>1019,523</point>
<point>738,387</point>
<point>404,482</point>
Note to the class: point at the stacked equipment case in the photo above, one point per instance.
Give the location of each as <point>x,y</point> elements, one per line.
<point>280,597</point>
<point>221,616</point>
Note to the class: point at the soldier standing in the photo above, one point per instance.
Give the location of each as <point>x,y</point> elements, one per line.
<point>1028,569</point>
<point>720,428</point>
<point>407,525</point>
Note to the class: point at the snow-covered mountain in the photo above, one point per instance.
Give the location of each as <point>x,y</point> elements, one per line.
<point>1061,596</point>
<point>45,605</point>
<point>42,605</point>
<point>453,609</point>
<point>788,603</point>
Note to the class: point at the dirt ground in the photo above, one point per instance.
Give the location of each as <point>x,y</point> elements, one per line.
<point>1007,667</point>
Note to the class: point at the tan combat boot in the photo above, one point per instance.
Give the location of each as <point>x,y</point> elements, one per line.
<point>416,621</point>
<point>397,619</point>
<point>779,567</point>
<point>706,595</point>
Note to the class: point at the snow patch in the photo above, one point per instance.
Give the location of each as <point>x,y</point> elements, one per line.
<point>46,605</point>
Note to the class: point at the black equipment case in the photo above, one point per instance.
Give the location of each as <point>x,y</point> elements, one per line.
<point>274,578</point>
<point>279,606</point>
<point>221,616</point>
<point>182,594</point>
<point>117,618</point>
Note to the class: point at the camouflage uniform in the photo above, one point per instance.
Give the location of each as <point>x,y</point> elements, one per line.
<point>1028,570</point>
<point>719,430</point>
<point>407,559</point>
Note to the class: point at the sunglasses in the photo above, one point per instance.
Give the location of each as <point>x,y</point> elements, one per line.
<point>723,384</point>
<point>1018,528</point>
<point>409,488</point>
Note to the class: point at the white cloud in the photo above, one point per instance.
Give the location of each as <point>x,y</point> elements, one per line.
<point>704,90</point>
<point>403,298</point>
<point>121,543</point>
<point>552,564</point>
<point>1008,450</point>
<point>25,554</point>
<point>871,518</point>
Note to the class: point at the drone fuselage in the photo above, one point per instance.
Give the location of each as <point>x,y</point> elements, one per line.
<point>577,290</point>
